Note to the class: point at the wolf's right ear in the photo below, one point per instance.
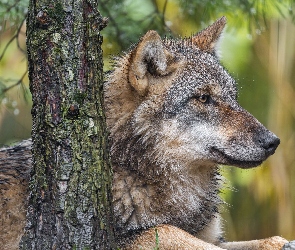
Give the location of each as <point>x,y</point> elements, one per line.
<point>149,56</point>
<point>206,39</point>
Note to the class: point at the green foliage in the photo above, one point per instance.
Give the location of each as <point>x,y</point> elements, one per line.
<point>12,12</point>
<point>129,19</point>
<point>138,16</point>
<point>254,12</point>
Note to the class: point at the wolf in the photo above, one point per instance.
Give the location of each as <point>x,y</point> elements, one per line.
<point>173,118</point>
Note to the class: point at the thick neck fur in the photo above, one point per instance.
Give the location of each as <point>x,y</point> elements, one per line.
<point>150,186</point>
<point>177,200</point>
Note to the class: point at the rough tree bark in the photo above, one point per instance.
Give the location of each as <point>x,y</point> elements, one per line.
<point>70,188</point>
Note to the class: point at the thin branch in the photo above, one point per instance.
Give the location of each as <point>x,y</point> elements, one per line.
<point>18,33</point>
<point>15,36</point>
<point>164,9</point>
<point>7,45</point>
<point>12,6</point>
<point>20,81</point>
<point>161,14</point>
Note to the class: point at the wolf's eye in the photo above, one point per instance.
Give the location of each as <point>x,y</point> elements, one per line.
<point>203,98</point>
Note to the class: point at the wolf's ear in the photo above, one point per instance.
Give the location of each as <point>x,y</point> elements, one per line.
<point>149,56</point>
<point>207,38</point>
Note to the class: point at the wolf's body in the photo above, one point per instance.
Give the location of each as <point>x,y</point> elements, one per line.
<point>173,117</point>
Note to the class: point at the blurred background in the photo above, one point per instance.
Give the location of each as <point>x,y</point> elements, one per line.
<point>257,48</point>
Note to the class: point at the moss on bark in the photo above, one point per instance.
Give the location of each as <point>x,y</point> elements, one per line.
<point>70,187</point>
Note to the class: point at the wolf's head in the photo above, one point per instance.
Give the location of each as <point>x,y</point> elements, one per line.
<point>171,100</point>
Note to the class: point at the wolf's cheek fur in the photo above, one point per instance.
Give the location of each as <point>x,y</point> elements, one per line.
<point>185,144</point>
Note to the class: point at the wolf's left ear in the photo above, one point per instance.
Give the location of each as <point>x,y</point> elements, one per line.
<point>149,56</point>
<point>207,38</point>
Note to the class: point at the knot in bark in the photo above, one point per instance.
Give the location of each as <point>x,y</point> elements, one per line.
<point>73,111</point>
<point>43,19</point>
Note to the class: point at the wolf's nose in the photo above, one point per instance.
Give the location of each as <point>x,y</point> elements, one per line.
<point>269,142</point>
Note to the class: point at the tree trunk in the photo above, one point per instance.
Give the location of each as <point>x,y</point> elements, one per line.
<point>70,188</point>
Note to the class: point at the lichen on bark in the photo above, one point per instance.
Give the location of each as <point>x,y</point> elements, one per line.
<point>70,187</point>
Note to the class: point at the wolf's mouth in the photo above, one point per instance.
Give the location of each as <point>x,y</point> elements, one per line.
<point>224,159</point>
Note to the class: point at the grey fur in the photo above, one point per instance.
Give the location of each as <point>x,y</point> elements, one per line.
<point>173,116</point>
